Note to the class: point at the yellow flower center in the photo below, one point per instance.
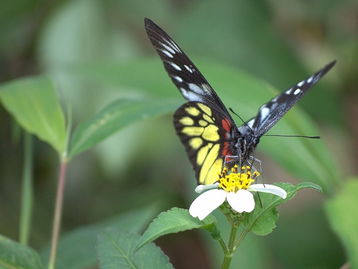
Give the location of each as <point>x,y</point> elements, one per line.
<point>234,179</point>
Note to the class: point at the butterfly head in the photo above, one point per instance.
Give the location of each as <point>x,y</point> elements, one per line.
<point>246,143</point>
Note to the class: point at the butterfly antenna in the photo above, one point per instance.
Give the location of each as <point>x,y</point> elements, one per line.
<point>303,136</point>
<point>244,122</point>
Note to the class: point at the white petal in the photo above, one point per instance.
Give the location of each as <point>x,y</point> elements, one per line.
<point>201,188</point>
<point>206,203</point>
<point>269,189</point>
<point>241,201</point>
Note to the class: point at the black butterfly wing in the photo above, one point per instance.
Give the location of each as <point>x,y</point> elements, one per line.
<point>206,137</point>
<point>184,74</point>
<point>272,111</point>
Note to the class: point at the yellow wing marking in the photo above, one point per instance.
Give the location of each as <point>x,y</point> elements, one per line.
<point>192,131</point>
<point>203,123</point>
<point>214,172</point>
<point>208,119</point>
<point>202,153</point>
<point>211,157</point>
<point>192,111</point>
<point>196,142</point>
<point>211,133</point>
<point>205,108</point>
<point>186,121</point>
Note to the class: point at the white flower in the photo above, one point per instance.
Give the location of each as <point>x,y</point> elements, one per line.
<point>241,201</point>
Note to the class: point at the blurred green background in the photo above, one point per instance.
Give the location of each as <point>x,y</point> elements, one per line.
<point>82,45</point>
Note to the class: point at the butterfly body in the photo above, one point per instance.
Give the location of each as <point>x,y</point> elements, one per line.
<point>204,125</point>
<point>245,145</point>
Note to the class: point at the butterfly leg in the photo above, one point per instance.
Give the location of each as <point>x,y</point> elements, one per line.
<point>253,165</point>
<point>229,159</point>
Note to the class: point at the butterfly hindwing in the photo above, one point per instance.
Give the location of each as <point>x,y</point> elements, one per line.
<point>274,110</point>
<point>184,74</point>
<point>205,135</point>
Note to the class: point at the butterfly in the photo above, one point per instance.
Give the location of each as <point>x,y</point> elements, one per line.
<point>204,125</point>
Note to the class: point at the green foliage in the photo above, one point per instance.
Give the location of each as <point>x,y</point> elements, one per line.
<point>76,249</point>
<point>16,256</point>
<point>173,221</point>
<point>248,37</point>
<point>112,118</point>
<point>34,104</point>
<point>308,230</point>
<point>92,51</point>
<point>263,219</point>
<point>117,249</point>
<point>266,223</point>
<point>341,211</point>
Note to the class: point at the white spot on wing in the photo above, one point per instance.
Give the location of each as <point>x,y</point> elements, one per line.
<point>195,88</point>
<point>171,44</point>
<point>264,112</point>
<point>251,123</point>
<point>174,45</point>
<point>206,88</point>
<point>188,68</point>
<point>175,66</point>
<point>297,91</point>
<point>310,79</point>
<point>273,105</point>
<point>289,91</point>
<point>167,53</point>
<point>168,48</point>
<point>178,78</point>
<point>300,84</point>
<point>190,95</point>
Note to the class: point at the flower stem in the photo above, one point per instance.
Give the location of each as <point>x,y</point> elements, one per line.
<point>215,234</point>
<point>223,246</point>
<point>231,248</point>
<point>26,192</point>
<point>57,214</point>
<point>241,237</point>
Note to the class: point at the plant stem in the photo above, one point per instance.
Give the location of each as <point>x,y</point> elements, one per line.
<point>27,192</point>
<point>231,248</point>
<point>223,245</point>
<point>241,237</point>
<point>58,214</point>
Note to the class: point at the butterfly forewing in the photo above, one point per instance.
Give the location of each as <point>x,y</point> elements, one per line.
<point>188,79</point>
<point>272,111</point>
<point>205,135</point>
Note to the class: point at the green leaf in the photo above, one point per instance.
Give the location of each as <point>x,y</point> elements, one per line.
<point>306,159</point>
<point>266,223</point>
<point>88,39</point>
<point>341,212</point>
<point>173,221</point>
<point>76,249</point>
<point>16,256</point>
<point>117,249</point>
<point>113,117</point>
<point>33,102</point>
<point>263,220</point>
